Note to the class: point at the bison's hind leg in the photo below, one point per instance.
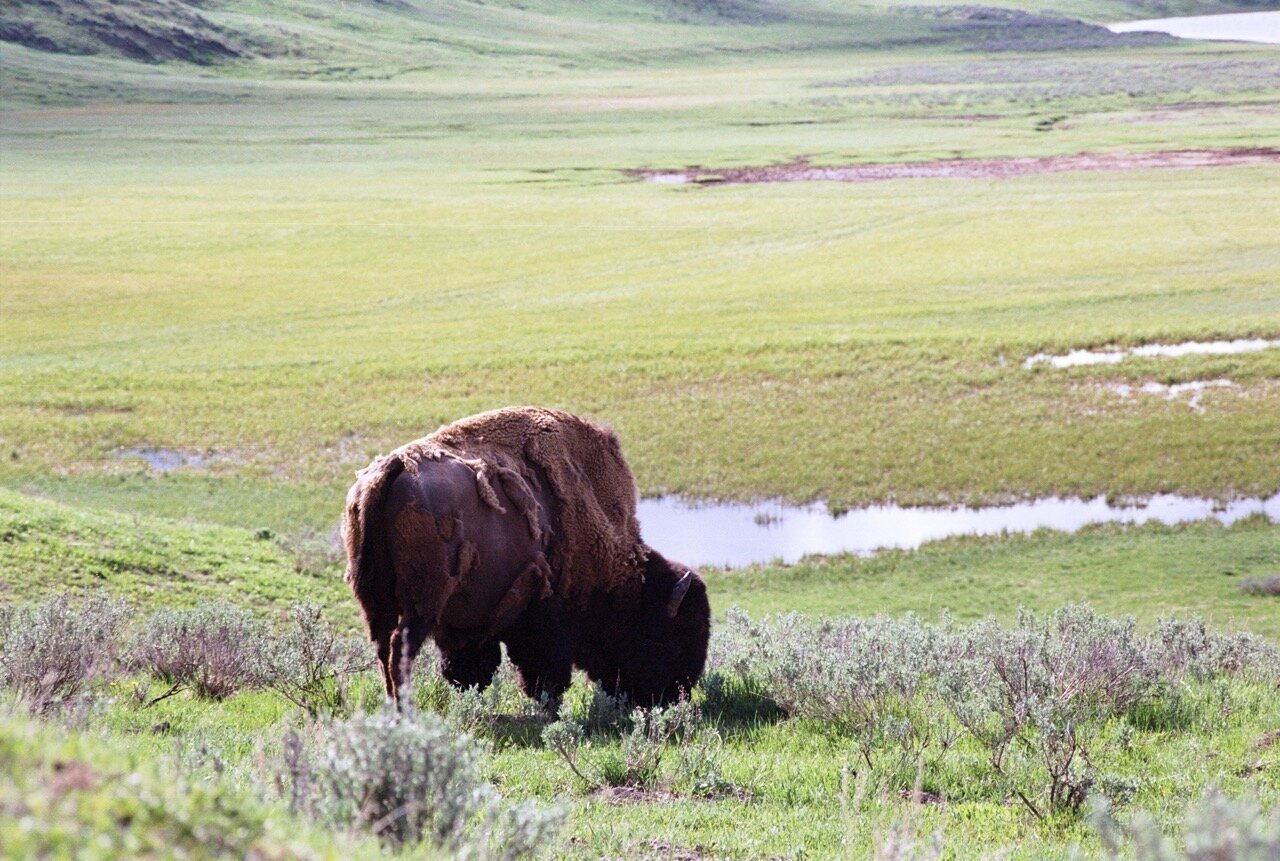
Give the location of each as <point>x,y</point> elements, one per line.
<point>471,666</point>
<point>406,642</point>
<point>541,647</point>
<point>382,632</point>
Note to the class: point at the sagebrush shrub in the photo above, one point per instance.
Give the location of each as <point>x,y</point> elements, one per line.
<point>635,758</point>
<point>1268,585</point>
<point>874,678</point>
<point>51,650</point>
<point>1216,829</point>
<point>1045,688</point>
<point>1036,696</point>
<point>215,650</point>
<point>409,778</point>
<point>1185,648</point>
<point>309,662</point>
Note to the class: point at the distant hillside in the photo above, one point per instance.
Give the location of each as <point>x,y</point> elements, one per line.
<point>61,52</point>
<point>306,36</point>
<point>147,30</point>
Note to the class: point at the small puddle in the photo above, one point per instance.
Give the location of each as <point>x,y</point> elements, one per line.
<point>169,459</point>
<point>1195,389</point>
<point>735,535</point>
<point>1111,355</point>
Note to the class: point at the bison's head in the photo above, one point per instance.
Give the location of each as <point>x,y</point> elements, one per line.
<point>662,655</point>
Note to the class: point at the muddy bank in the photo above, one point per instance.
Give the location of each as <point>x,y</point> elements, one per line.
<point>963,168</point>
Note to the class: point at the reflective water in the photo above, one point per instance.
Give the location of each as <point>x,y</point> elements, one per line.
<point>1111,355</point>
<point>742,534</point>
<point>1241,27</point>
<point>162,459</point>
<point>1174,391</point>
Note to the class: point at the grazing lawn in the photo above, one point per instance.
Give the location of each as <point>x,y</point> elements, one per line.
<point>234,268</point>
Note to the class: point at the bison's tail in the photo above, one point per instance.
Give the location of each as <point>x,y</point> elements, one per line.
<point>369,569</point>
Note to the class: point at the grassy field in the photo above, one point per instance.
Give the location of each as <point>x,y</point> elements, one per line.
<point>229,277</point>
<point>297,282</point>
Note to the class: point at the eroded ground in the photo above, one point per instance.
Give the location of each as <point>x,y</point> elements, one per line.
<point>801,170</point>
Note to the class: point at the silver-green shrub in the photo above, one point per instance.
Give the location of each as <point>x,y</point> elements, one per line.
<point>646,738</point>
<point>1216,829</point>
<point>50,651</point>
<point>309,662</point>
<point>1186,649</point>
<point>1044,689</point>
<point>215,650</point>
<point>409,778</point>
<point>874,678</point>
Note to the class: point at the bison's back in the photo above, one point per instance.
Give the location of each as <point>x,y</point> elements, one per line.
<point>595,542</point>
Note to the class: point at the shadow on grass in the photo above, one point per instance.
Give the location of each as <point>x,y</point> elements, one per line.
<point>737,706</point>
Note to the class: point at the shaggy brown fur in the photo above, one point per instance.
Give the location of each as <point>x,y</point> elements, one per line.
<point>518,525</point>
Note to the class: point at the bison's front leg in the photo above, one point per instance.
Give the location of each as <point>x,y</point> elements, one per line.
<point>471,666</point>
<point>541,647</point>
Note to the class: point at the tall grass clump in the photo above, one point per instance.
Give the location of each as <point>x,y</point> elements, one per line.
<point>409,779</point>
<point>215,650</point>
<point>50,652</point>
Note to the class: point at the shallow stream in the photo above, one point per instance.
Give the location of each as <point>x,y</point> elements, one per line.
<point>1261,27</point>
<point>742,534</point>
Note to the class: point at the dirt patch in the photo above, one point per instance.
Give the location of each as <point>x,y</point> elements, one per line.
<point>72,776</point>
<point>633,795</point>
<point>671,851</point>
<point>921,796</point>
<point>964,168</point>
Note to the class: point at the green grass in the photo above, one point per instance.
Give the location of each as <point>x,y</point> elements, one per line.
<point>1147,572</point>
<point>301,280</point>
<point>48,549</point>
<point>376,221</point>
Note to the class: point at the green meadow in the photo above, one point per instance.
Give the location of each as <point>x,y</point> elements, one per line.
<point>235,269</point>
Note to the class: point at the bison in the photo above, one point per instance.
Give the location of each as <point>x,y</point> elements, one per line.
<point>518,526</point>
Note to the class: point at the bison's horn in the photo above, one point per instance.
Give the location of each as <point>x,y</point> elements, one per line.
<point>678,592</point>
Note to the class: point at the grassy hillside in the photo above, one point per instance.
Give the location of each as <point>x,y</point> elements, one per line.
<point>107,49</point>
<point>287,285</point>
<point>1149,572</point>
<point>48,549</point>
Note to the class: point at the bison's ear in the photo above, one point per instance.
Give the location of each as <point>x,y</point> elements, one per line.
<point>678,592</point>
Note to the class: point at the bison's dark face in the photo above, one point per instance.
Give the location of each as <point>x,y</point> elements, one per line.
<point>661,657</point>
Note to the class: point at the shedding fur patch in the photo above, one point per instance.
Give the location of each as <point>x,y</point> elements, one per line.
<point>597,537</point>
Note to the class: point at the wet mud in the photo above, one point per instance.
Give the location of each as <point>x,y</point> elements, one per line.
<point>962,168</point>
